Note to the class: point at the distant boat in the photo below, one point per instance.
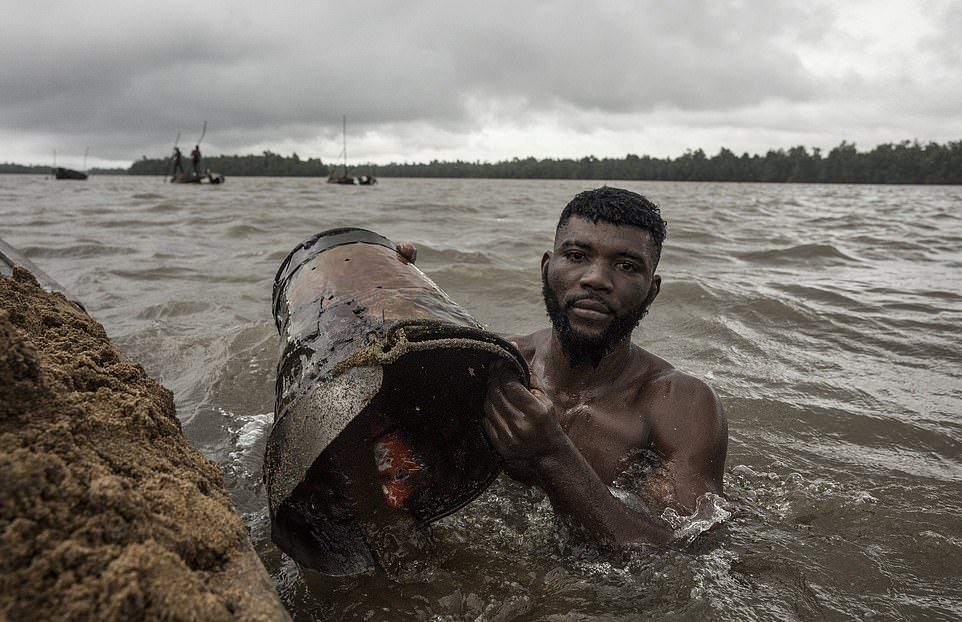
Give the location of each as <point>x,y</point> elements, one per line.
<point>341,176</point>
<point>60,172</point>
<point>68,173</point>
<point>194,177</point>
<point>197,178</point>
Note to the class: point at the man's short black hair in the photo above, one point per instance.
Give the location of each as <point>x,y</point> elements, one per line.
<point>617,206</point>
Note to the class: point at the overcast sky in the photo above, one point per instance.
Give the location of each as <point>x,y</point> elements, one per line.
<point>475,81</point>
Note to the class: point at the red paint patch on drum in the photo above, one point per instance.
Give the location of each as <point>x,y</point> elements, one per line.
<point>397,466</point>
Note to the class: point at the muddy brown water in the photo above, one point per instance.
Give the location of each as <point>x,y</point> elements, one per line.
<point>826,317</point>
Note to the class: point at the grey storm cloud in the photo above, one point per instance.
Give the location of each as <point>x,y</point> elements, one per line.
<point>124,68</point>
<point>129,75</point>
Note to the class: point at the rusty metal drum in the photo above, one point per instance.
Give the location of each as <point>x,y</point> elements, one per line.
<point>379,400</point>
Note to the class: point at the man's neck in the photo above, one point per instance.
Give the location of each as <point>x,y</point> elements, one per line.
<point>584,374</point>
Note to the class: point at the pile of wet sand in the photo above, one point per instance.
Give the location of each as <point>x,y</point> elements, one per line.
<point>107,513</point>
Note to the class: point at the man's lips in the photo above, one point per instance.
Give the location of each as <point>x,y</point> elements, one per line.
<point>589,308</point>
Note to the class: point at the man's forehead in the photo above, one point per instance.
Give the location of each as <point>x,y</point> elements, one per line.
<point>577,230</point>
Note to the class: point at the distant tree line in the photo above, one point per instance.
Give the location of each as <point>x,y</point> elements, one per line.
<point>902,163</point>
<point>9,168</point>
<point>268,164</point>
<point>23,169</point>
<point>907,162</point>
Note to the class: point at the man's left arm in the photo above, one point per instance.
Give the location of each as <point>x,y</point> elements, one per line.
<point>689,432</point>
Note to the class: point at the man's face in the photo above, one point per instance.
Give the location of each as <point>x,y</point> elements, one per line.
<point>597,285</point>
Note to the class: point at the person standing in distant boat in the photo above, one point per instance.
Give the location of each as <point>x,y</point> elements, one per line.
<point>195,159</point>
<point>178,164</point>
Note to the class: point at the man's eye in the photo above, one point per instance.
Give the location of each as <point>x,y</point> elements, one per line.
<point>629,267</point>
<point>576,256</point>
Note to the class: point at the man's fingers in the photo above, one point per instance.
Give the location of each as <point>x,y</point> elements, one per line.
<point>408,250</point>
<point>537,386</point>
<point>504,411</point>
<point>523,399</point>
<point>491,433</point>
<point>498,407</point>
<point>497,432</point>
<point>512,398</point>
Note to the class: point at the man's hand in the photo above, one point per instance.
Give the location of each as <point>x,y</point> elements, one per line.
<point>407,250</point>
<point>521,424</point>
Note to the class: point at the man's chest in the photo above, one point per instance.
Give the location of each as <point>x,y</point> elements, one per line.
<point>604,434</point>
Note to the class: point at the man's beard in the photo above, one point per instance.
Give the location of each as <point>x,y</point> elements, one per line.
<point>579,348</point>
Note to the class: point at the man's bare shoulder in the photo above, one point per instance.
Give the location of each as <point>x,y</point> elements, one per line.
<point>656,379</point>
<point>648,367</point>
<point>679,394</point>
<point>685,415</point>
<point>674,400</point>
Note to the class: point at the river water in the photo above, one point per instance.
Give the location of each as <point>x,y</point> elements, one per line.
<point>826,317</point>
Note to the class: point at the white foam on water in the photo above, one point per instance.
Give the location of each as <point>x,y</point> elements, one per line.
<point>712,576</point>
<point>253,429</point>
<point>710,510</point>
<point>245,432</point>
<point>864,497</point>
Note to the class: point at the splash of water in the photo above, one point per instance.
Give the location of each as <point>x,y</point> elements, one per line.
<point>710,510</point>
<point>251,429</point>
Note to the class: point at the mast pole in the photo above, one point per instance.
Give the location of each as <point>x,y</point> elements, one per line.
<point>344,136</point>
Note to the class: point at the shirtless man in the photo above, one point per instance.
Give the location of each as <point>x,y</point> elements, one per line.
<point>597,401</point>
<point>178,166</point>
<point>195,159</point>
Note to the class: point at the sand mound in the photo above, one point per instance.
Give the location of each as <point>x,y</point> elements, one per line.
<point>107,513</point>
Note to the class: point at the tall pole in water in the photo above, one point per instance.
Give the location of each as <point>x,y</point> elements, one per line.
<point>344,137</point>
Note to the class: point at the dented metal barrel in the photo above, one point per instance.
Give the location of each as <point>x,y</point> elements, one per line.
<point>379,400</point>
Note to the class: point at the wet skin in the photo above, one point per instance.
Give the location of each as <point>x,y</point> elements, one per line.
<point>581,425</point>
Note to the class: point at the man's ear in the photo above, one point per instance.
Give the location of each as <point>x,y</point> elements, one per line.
<point>653,290</point>
<point>545,259</point>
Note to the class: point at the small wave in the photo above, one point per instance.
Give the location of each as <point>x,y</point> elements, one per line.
<point>799,253</point>
<point>449,256</point>
<point>126,224</point>
<point>82,250</point>
<point>159,274</point>
<point>164,208</point>
<point>171,309</point>
<point>275,257</point>
<point>805,294</point>
<point>243,231</point>
<point>684,290</point>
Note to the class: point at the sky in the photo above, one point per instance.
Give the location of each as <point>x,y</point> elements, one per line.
<point>447,80</point>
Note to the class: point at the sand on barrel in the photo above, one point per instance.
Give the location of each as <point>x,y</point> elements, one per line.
<point>106,512</point>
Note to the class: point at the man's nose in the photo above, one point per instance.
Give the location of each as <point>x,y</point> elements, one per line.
<point>596,276</point>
